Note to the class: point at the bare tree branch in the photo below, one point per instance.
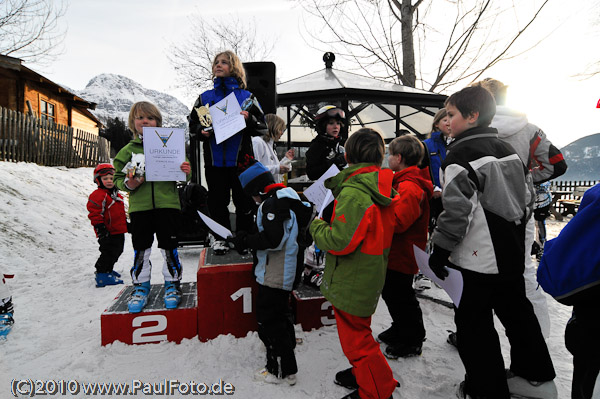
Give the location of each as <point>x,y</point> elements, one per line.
<point>31,29</point>
<point>477,35</point>
<point>192,58</point>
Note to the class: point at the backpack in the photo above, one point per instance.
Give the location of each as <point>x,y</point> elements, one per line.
<point>305,213</point>
<point>570,267</point>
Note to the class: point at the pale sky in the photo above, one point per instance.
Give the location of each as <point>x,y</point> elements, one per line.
<point>132,37</point>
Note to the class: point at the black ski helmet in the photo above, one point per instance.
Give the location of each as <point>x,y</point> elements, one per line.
<point>102,169</point>
<point>327,112</point>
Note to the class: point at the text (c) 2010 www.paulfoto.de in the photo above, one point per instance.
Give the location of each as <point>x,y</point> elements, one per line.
<point>31,387</point>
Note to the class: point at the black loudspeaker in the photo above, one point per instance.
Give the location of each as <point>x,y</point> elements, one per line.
<point>260,78</point>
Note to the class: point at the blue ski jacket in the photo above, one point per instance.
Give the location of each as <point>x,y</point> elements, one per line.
<point>233,150</point>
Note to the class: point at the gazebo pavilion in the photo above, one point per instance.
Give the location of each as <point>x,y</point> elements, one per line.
<point>385,106</point>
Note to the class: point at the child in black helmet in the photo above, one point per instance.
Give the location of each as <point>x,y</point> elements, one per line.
<point>325,149</point>
<point>107,214</point>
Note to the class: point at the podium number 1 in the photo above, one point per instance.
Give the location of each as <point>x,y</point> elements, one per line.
<point>246,293</point>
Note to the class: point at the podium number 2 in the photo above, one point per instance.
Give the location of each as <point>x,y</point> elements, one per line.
<point>140,335</point>
<point>246,293</point>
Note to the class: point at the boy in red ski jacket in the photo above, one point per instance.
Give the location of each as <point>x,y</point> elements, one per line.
<point>406,335</point>
<point>107,214</point>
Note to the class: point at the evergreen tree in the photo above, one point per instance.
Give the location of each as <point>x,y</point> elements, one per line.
<point>117,133</point>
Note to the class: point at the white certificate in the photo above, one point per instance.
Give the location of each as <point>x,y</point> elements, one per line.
<point>453,284</point>
<point>317,193</point>
<point>226,118</point>
<point>164,150</point>
<point>215,227</point>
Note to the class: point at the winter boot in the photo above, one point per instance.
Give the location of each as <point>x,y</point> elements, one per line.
<point>403,350</point>
<point>346,379</point>
<point>462,394</point>
<point>172,294</point>
<point>421,283</point>
<point>104,279</point>
<point>521,388</point>
<point>452,338</point>
<point>139,297</point>
<point>389,336</point>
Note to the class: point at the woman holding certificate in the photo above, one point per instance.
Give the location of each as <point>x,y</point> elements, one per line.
<point>225,159</point>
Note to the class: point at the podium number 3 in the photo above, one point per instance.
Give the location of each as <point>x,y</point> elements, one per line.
<point>246,293</point>
<point>140,335</point>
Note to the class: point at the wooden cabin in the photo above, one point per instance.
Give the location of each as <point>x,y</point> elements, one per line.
<point>26,91</point>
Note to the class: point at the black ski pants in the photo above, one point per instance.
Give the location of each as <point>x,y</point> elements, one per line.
<point>276,330</point>
<point>402,303</point>
<point>111,249</point>
<point>222,184</point>
<point>478,342</point>
<point>582,341</point>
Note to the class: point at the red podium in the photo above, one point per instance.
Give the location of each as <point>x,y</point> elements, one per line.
<point>154,323</point>
<point>311,308</point>
<point>222,301</point>
<point>226,295</point>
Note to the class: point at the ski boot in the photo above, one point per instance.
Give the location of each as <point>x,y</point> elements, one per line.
<point>172,294</point>
<point>104,279</point>
<point>116,274</point>
<point>139,297</point>
<point>220,247</point>
<point>6,323</point>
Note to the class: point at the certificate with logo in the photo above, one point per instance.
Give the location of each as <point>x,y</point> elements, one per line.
<point>226,118</point>
<point>164,150</point>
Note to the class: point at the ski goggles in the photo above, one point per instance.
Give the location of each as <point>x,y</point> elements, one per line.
<point>336,113</point>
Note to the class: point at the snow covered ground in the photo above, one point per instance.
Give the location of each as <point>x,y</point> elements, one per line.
<point>46,240</point>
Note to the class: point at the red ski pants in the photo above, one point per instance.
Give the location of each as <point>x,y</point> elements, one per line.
<point>369,366</point>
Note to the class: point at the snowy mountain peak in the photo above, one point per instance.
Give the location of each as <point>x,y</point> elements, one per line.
<point>115,94</point>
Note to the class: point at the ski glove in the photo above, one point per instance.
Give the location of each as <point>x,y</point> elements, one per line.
<point>340,161</point>
<point>239,242</point>
<point>101,231</point>
<point>438,260</point>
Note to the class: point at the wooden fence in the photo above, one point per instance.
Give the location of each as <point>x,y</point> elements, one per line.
<point>28,139</point>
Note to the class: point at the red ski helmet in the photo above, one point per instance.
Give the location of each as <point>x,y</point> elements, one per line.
<point>102,169</point>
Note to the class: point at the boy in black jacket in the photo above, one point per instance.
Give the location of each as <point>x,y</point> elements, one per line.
<point>487,200</point>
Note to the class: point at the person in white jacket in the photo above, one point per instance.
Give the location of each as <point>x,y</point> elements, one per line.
<point>264,148</point>
<point>544,161</point>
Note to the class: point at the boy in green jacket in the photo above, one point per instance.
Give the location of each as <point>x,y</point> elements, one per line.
<point>153,209</point>
<point>357,239</point>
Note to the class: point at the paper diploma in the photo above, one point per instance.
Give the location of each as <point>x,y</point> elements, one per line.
<point>214,226</point>
<point>317,193</point>
<point>453,284</point>
<point>164,152</point>
<point>226,118</point>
